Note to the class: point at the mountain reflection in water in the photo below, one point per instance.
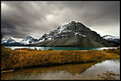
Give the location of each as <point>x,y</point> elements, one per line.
<point>64,72</point>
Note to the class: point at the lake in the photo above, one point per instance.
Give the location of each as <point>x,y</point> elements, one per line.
<point>60,48</point>
<point>86,71</point>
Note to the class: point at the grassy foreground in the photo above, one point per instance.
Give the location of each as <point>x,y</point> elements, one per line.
<point>21,58</point>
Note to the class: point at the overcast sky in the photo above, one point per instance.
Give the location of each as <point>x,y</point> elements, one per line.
<point>35,18</point>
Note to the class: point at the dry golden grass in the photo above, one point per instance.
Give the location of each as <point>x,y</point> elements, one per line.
<point>28,58</point>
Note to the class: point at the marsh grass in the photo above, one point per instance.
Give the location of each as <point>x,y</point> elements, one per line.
<point>19,59</point>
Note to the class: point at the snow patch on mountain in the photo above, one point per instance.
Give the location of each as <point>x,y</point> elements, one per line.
<point>82,35</point>
<point>76,33</point>
<point>40,40</point>
<point>61,28</point>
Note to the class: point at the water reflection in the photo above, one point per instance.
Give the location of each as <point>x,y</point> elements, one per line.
<point>65,72</point>
<point>51,71</point>
<point>100,68</point>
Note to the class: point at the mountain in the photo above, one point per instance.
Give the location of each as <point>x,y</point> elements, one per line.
<point>10,42</point>
<point>112,38</point>
<point>73,34</point>
<point>29,40</point>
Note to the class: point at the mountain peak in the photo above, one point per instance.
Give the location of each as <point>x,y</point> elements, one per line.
<point>29,40</point>
<point>73,21</point>
<point>8,39</point>
<point>110,37</point>
<point>29,37</point>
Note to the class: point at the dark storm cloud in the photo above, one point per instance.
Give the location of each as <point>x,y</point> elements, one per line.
<point>22,18</point>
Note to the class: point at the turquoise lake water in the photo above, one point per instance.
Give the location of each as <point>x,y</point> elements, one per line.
<point>60,48</point>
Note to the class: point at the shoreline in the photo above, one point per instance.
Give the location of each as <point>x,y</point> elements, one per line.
<point>31,67</point>
<point>24,58</point>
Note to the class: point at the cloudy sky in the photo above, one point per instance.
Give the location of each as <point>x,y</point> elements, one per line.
<point>34,18</point>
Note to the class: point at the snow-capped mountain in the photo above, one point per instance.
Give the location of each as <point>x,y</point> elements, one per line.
<point>112,38</point>
<point>29,40</point>
<point>63,31</point>
<point>9,42</point>
<point>73,34</point>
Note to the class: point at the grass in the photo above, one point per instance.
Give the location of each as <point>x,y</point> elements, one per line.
<point>18,59</point>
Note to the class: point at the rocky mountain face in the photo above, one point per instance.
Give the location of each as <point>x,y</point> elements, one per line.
<point>73,34</point>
